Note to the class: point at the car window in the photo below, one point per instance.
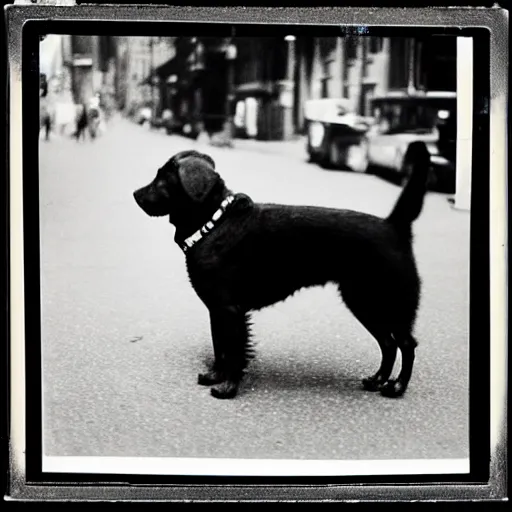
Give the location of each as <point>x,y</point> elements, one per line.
<point>405,117</point>
<point>387,118</point>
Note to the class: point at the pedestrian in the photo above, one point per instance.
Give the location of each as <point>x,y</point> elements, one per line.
<point>93,115</point>
<point>82,122</point>
<point>45,119</point>
<point>105,105</point>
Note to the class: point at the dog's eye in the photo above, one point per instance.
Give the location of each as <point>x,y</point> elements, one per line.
<point>161,186</point>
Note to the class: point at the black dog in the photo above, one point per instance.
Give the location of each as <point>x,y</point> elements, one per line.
<point>243,256</point>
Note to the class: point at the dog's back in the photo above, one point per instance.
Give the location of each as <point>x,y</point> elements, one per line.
<point>284,248</point>
<point>268,251</point>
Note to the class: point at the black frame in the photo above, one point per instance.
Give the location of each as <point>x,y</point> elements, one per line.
<point>381,486</point>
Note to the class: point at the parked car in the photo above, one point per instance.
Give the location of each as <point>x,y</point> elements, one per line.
<point>333,131</point>
<point>401,119</point>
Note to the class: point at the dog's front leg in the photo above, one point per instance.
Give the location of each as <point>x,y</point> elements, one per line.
<point>230,340</point>
<point>216,374</point>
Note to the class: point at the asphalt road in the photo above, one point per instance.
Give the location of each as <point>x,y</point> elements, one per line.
<point>124,335</point>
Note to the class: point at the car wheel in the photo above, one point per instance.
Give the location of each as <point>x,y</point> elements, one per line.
<point>311,157</point>
<point>357,158</point>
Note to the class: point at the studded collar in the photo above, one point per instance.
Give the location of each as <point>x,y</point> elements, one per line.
<point>189,242</point>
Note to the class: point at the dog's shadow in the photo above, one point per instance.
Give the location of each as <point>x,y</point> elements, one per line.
<point>294,375</point>
<point>300,376</point>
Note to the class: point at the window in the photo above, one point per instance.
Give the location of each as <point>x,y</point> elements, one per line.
<point>376,44</point>
<point>327,68</point>
<point>405,117</point>
<point>351,48</point>
<point>327,46</point>
<point>399,63</point>
<point>365,42</point>
<point>82,45</point>
<point>325,78</point>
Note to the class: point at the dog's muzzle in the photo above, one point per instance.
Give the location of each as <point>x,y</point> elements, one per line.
<point>150,203</point>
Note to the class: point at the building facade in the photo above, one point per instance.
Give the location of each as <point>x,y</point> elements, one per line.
<point>272,86</point>
<point>260,84</point>
<point>137,58</point>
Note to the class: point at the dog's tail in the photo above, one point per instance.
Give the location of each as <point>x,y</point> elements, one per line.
<point>410,203</point>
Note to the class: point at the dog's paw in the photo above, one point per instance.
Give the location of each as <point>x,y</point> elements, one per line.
<point>372,383</point>
<point>210,378</point>
<point>392,389</point>
<point>225,390</point>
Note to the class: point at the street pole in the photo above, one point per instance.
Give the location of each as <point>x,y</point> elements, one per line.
<point>151,68</point>
<point>411,84</point>
<point>228,127</point>
<point>290,89</point>
<point>198,68</point>
<point>363,40</point>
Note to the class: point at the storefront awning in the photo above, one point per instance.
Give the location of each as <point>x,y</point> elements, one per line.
<point>254,89</point>
<point>163,72</point>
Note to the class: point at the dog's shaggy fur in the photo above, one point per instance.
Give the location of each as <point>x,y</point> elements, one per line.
<point>259,254</point>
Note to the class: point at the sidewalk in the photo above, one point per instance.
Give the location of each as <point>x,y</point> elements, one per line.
<point>295,147</point>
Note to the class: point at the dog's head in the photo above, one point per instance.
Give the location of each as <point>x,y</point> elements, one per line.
<point>181,187</point>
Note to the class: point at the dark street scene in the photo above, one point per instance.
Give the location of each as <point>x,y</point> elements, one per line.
<point>294,120</point>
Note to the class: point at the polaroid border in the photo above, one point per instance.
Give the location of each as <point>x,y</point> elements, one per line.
<point>26,483</point>
<point>453,470</point>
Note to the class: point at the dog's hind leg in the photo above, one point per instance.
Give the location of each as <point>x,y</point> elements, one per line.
<point>396,388</point>
<point>388,349</point>
<point>230,333</point>
<point>378,328</point>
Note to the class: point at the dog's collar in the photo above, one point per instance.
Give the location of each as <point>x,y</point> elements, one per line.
<point>200,233</point>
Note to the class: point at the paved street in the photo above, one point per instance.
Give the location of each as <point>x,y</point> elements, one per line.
<point>124,335</point>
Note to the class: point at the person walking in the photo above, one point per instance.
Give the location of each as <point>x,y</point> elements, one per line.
<point>82,122</point>
<point>45,119</point>
<point>93,114</point>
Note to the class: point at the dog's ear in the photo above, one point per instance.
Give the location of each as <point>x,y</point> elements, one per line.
<point>197,176</point>
<point>178,157</point>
